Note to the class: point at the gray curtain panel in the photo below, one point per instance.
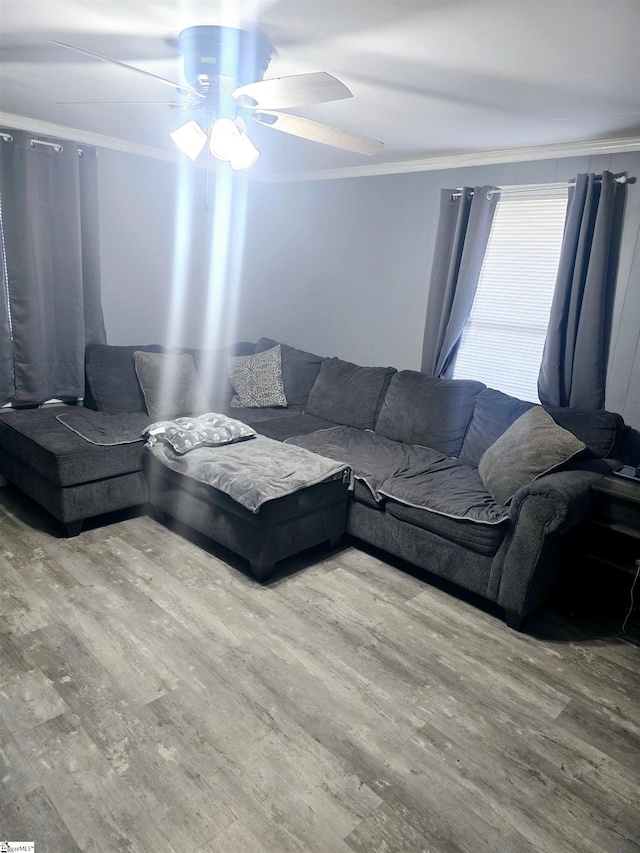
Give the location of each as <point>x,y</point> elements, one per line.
<point>49,208</point>
<point>6,344</point>
<point>574,362</point>
<point>463,232</point>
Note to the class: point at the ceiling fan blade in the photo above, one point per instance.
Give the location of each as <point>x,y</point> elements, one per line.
<point>318,132</point>
<point>119,103</point>
<point>180,86</point>
<point>299,90</point>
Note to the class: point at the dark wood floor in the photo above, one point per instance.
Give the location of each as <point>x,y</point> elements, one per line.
<point>154,698</point>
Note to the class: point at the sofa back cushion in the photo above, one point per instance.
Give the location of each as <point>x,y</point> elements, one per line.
<point>111,381</point>
<point>345,393</point>
<point>299,370</point>
<point>213,371</point>
<point>423,409</point>
<point>494,413</point>
<point>599,430</point>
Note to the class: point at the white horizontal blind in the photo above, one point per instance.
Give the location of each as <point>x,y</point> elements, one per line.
<point>503,339</point>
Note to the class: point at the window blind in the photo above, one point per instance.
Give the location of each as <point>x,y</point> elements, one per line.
<point>503,339</point>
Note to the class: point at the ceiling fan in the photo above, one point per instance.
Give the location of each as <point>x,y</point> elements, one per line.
<point>224,69</point>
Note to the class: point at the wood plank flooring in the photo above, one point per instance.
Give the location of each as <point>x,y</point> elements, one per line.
<point>154,698</point>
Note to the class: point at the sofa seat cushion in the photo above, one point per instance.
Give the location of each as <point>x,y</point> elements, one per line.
<point>425,410</point>
<point>58,454</point>
<point>290,425</point>
<point>345,393</point>
<point>484,539</point>
<point>254,416</point>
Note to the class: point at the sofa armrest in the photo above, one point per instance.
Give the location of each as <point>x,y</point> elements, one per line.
<point>540,513</point>
<point>568,494</point>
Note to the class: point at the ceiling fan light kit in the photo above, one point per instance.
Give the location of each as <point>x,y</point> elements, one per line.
<point>190,139</point>
<point>223,69</point>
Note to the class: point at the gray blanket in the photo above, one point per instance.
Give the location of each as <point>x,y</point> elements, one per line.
<point>251,472</point>
<point>105,429</point>
<point>409,474</point>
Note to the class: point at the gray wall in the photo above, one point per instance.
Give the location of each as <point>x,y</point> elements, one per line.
<point>342,267</point>
<point>165,278</point>
<point>339,267</point>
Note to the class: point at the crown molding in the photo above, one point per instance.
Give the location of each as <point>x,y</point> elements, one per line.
<point>427,164</point>
<point>45,128</point>
<point>458,161</point>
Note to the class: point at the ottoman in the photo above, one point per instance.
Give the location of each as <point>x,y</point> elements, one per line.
<point>281,527</point>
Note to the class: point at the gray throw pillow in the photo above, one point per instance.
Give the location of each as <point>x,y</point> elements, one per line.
<point>533,445</point>
<point>257,380</point>
<point>170,385</point>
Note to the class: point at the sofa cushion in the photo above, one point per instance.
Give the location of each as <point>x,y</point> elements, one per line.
<point>599,430</point>
<point>257,379</point>
<point>482,539</point>
<point>532,446</point>
<point>58,454</point>
<point>345,393</point>
<point>425,410</point>
<point>493,414</point>
<point>170,385</point>
<point>213,371</point>
<point>111,381</point>
<point>289,425</point>
<point>299,370</point>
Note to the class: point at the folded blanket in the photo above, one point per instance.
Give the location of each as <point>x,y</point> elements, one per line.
<point>410,474</point>
<point>251,472</point>
<point>104,428</point>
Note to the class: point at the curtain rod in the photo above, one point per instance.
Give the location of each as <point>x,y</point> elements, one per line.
<point>57,146</point>
<point>515,188</point>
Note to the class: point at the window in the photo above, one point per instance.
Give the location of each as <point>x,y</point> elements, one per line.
<point>503,339</point>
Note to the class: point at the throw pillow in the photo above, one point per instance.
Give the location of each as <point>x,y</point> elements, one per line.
<point>209,430</point>
<point>299,370</point>
<point>170,385</point>
<point>533,445</point>
<point>257,380</point>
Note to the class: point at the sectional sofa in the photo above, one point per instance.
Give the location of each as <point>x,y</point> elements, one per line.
<point>461,480</point>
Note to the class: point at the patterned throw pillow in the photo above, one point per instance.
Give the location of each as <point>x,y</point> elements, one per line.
<point>257,380</point>
<point>209,430</point>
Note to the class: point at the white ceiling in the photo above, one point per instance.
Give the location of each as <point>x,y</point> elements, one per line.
<point>430,79</point>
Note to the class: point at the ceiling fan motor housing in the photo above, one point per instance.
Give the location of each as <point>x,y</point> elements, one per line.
<point>219,59</point>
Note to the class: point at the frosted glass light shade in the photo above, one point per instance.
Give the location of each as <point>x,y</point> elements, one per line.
<point>229,142</point>
<point>190,139</point>
<point>245,153</point>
